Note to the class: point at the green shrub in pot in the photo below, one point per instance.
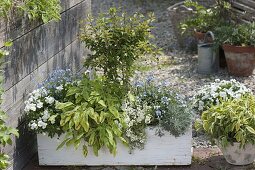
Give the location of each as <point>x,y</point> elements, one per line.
<point>231,124</point>
<point>236,35</point>
<point>205,19</point>
<point>238,42</point>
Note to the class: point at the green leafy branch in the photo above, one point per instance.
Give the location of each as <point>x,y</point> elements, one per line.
<point>92,117</point>
<point>46,10</point>
<point>117,41</point>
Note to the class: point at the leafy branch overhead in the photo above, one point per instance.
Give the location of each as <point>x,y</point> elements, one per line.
<point>45,10</point>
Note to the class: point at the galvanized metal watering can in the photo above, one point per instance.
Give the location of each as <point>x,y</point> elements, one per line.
<point>208,58</point>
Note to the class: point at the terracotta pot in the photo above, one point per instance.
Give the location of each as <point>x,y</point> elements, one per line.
<point>240,60</point>
<point>200,37</point>
<point>239,156</point>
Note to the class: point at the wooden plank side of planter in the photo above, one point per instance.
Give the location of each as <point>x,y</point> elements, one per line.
<point>165,150</point>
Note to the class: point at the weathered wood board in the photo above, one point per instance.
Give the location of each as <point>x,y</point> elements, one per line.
<point>37,50</point>
<point>245,9</point>
<point>165,150</point>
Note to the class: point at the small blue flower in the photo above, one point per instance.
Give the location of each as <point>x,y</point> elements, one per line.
<point>144,94</point>
<point>165,100</point>
<point>58,77</point>
<point>138,84</point>
<point>165,83</point>
<point>149,79</point>
<point>158,113</point>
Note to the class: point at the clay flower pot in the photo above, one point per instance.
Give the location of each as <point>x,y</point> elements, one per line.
<point>200,37</point>
<point>240,60</point>
<point>239,156</point>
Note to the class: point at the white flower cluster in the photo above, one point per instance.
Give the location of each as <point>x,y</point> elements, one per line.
<point>136,116</point>
<point>37,104</point>
<point>219,90</point>
<point>37,99</point>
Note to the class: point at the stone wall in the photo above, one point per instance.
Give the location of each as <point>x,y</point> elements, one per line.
<point>37,50</point>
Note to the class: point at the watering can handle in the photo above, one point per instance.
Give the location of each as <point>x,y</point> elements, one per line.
<point>209,33</point>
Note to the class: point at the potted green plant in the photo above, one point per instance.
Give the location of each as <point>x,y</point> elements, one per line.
<point>231,125</point>
<point>100,115</point>
<point>238,42</point>
<point>85,116</point>
<point>204,19</point>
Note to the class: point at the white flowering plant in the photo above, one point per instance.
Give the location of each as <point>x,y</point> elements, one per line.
<point>218,91</point>
<point>136,118</point>
<point>167,108</point>
<point>41,113</point>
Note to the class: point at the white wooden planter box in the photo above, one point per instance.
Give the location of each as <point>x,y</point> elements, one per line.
<point>165,150</point>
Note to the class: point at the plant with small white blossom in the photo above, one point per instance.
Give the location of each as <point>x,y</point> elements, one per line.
<point>168,109</point>
<point>218,91</point>
<point>136,119</point>
<point>41,112</point>
<point>42,115</point>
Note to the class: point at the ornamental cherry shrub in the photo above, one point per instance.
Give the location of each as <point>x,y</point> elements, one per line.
<point>117,41</point>
<point>218,91</point>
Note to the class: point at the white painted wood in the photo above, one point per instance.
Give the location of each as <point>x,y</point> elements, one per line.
<point>165,150</point>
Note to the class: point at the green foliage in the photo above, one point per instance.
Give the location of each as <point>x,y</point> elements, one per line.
<point>4,52</point>
<point>206,19</point>
<point>5,139</point>
<point>4,161</point>
<point>238,35</point>
<point>117,41</point>
<point>92,115</point>
<point>231,121</point>
<point>5,7</point>
<point>46,10</point>
<point>5,131</point>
